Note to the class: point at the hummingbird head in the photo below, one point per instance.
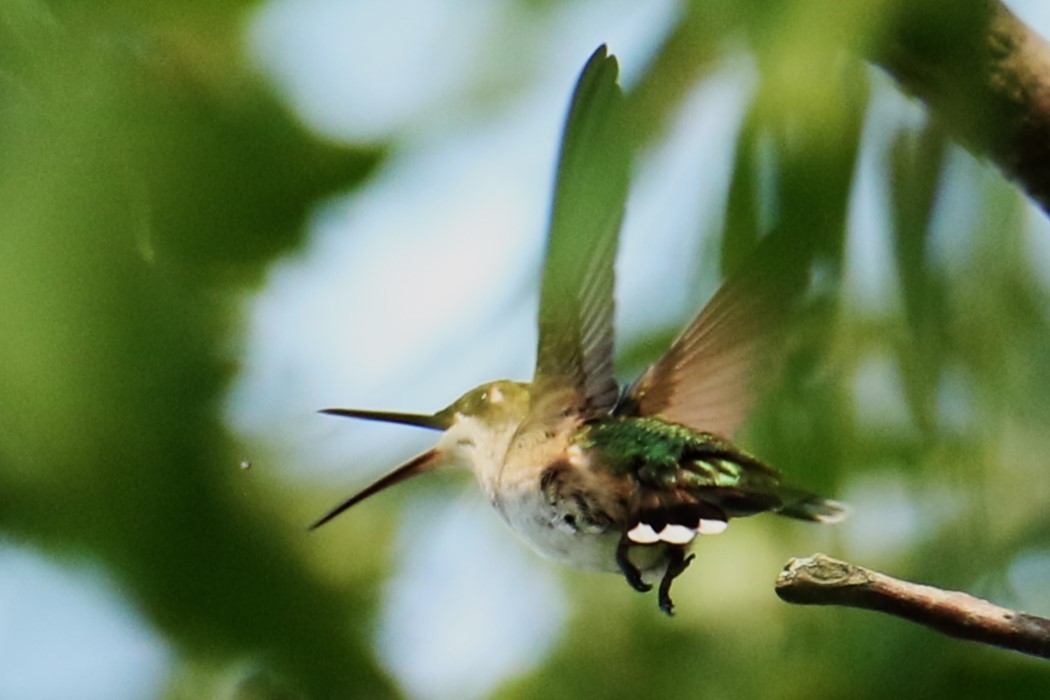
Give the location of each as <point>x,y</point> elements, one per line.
<point>477,429</point>
<point>491,406</point>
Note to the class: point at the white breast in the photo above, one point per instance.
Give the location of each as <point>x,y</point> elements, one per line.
<point>545,528</point>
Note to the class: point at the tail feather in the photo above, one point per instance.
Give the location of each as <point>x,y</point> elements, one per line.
<point>809,506</point>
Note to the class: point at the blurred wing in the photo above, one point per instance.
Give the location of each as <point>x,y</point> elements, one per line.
<point>574,364</point>
<point>706,381</point>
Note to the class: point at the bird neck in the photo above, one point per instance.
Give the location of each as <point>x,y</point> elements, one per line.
<point>481,445</point>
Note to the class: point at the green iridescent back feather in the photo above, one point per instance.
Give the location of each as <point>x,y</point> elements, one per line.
<point>676,465</point>
<point>673,455</point>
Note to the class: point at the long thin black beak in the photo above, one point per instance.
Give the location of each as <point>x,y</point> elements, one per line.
<point>417,465</point>
<point>436,421</point>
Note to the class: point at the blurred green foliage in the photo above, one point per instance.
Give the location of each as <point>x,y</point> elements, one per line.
<point>147,181</point>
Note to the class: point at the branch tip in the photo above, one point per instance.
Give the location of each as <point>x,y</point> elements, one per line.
<point>823,580</point>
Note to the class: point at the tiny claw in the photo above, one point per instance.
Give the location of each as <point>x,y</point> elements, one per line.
<point>629,570</point>
<point>676,564</point>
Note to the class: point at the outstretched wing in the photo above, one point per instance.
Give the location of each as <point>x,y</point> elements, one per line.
<point>707,379</point>
<point>574,364</point>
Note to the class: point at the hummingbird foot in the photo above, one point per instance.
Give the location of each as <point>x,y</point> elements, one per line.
<point>676,564</point>
<point>629,570</point>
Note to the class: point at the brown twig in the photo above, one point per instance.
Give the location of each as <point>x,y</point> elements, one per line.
<point>821,580</point>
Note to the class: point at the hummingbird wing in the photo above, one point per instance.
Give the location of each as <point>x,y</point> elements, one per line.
<point>574,364</point>
<point>706,380</point>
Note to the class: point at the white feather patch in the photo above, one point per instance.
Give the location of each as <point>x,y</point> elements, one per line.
<point>677,534</point>
<point>712,527</point>
<point>643,533</point>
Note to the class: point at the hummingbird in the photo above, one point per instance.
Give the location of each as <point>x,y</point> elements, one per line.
<point>589,474</point>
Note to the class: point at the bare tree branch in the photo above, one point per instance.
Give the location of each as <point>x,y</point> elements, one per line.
<point>821,580</point>
<point>985,76</point>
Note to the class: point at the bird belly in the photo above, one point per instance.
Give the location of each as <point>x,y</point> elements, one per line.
<point>558,532</point>
<point>564,544</point>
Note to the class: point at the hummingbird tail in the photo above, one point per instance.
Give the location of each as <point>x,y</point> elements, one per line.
<point>809,506</point>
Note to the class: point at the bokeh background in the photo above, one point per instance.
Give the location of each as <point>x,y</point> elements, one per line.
<point>219,217</point>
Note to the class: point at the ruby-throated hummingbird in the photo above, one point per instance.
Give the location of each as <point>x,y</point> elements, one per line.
<point>589,475</point>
